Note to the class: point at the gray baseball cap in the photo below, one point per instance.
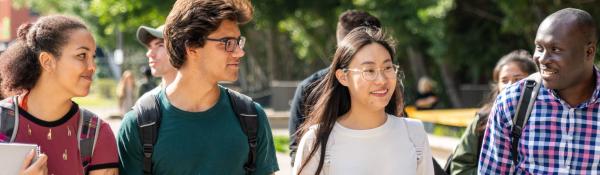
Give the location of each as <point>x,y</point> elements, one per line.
<point>145,34</point>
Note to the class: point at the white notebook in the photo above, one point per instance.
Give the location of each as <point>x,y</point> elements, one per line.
<point>12,156</point>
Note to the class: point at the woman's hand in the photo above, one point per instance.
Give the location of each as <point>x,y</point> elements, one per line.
<point>40,166</point>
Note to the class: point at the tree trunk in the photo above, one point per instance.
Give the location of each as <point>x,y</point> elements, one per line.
<point>417,63</point>
<point>448,79</point>
<point>270,50</point>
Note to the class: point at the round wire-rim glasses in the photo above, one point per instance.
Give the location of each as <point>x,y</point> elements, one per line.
<point>370,74</point>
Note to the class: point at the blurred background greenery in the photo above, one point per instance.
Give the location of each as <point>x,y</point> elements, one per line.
<point>456,42</point>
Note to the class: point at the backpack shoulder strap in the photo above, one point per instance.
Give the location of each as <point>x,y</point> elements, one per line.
<point>243,106</point>
<point>418,140</point>
<point>9,119</point>
<point>88,130</point>
<point>524,107</point>
<point>148,113</point>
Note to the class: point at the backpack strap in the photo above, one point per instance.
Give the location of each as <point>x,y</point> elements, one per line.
<point>148,118</point>
<point>89,127</point>
<point>88,130</point>
<point>9,119</point>
<point>418,140</point>
<point>412,128</point>
<point>524,107</point>
<point>243,106</point>
<point>149,115</point>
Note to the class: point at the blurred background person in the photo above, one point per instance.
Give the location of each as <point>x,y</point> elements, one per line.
<point>158,56</point>
<point>426,97</point>
<point>510,68</point>
<point>125,92</point>
<point>146,84</point>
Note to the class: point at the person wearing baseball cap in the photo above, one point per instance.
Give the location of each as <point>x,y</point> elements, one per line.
<point>158,56</point>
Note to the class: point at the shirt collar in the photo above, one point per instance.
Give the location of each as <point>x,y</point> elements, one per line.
<point>596,95</point>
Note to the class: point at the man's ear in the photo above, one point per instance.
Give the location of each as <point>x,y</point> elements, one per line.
<point>590,51</point>
<point>342,77</point>
<point>47,61</point>
<point>192,49</point>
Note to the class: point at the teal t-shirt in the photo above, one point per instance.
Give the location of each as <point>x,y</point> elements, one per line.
<point>208,142</point>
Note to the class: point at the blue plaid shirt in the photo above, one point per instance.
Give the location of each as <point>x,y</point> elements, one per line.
<point>557,139</point>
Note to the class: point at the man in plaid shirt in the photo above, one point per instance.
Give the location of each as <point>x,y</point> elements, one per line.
<point>562,135</point>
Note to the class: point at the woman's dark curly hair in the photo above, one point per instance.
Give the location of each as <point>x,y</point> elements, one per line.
<point>20,68</point>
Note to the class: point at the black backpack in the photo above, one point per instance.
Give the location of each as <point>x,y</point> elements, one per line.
<point>88,129</point>
<point>528,96</point>
<point>524,107</point>
<point>149,116</point>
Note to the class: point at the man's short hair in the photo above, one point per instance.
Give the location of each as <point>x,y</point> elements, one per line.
<point>191,21</point>
<point>351,19</point>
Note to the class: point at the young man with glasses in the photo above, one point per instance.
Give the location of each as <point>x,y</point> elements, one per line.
<point>200,132</point>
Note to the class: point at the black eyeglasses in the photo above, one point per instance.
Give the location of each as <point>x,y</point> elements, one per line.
<point>231,43</point>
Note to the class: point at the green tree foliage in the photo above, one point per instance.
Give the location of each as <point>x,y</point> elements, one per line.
<point>455,42</point>
<point>127,15</point>
<point>105,17</point>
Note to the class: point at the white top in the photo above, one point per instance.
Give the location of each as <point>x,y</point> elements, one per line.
<point>387,149</point>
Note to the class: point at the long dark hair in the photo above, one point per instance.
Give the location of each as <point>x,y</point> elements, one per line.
<point>20,68</point>
<point>334,99</point>
<point>524,61</point>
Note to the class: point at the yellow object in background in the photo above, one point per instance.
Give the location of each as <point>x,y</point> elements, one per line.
<point>460,117</point>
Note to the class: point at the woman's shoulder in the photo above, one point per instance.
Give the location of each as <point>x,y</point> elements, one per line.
<point>310,134</point>
<point>7,103</point>
<point>413,122</point>
<point>408,121</point>
<point>90,116</point>
<point>413,127</point>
